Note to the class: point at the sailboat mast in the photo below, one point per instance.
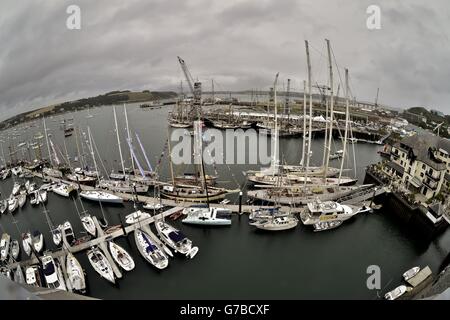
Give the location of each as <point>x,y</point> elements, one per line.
<point>213,97</point>
<point>275,134</point>
<point>92,152</point>
<point>170,160</point>
<point>346,125</point>
<point>118,140</point>
<point>48,145</point>
<point>129,136</point>
<point>310,111</point>
<point>78,148</point>
<point>302,163</point>
<point>330,134</point>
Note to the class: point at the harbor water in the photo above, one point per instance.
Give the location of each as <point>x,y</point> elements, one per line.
<point>236,262</point>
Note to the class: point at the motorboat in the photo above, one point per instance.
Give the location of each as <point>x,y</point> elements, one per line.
<point>150,250</point>
<point>13,204</point>
<point>75,274</point>
<point>326,225</point>
<point>57,236</point>
<point>411,273</point>
<point>175,239</point>
<point>4,247</point>
<point>121,256</point>
<point>37,240</point>
<point>15,249</point>
<point>136,216</point>
<point>63,189</point>
<point>3,205</point>
<point>22,198</point>
<point>52,273</point>
<point>67,232</point>
<point>18,275</point>
<point>276,223</point>
<point>26,243</point>
<point>202,215</point>
<point>101,196</point>
<point>88,224</point>
<point>396,293</point>
<point>16,188</point>
<point>100,264</point>
<point>319,211</point>
<point>32,276</point>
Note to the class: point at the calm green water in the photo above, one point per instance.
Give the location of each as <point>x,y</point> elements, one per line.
<point>238,262</point>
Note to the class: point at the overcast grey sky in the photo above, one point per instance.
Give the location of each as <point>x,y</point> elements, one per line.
<point>241,44</point>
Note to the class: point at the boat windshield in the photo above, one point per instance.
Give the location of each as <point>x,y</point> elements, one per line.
<point>176,236</point>
<point>49,269</point>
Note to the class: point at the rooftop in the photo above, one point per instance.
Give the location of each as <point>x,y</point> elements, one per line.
<point>421,145</point>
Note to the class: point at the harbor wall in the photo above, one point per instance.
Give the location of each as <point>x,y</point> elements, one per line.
<point>413,217</point>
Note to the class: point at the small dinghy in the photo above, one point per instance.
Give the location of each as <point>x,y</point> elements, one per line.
<point>75,274</point>
<point>88,224</point>
<point>13,204</point>
<point>57,236</point>
<point>153,206</point>
<point>411,273</point>
<point>38,241</point>
<point>121,256</point>
<point>3,206</point>
<point>16,188</point>
<point>33,198</point>
<point>41,196</point>
<point>18,275</point>
<point>175,239</point>
<point>22,198</point>
<point>100,264</point>
<point>26,243</point>
<point>396,293</point>
<point>68,233</point>
<point>149,250</point>
<point>5,247</point>
<point>15,249</point>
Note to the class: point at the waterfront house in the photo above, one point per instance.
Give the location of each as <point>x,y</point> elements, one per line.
<point>422,161</point>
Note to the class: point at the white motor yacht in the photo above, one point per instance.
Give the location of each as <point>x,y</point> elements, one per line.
<point>175,239</point>
<point>202,215</point>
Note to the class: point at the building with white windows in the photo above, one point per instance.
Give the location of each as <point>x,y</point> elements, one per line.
<point>422,161</point>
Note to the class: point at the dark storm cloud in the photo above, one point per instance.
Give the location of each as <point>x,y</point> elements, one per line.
<point>241,44</point>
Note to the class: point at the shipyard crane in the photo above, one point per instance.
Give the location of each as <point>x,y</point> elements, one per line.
<point>195,88</point>
<point>322,91</point>
<point>376,98</point>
